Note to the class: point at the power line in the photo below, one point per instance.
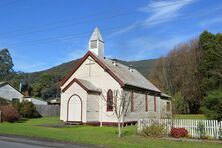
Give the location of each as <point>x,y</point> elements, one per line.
<point>70,37</point>
<point>78,35</point>
<point>47,27</point>
<point>61,26</point>
<point>8,3</point>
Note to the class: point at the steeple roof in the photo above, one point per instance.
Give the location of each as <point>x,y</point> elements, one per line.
<point>96,35</point>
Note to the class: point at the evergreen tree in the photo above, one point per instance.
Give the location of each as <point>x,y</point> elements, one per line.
<point>211,61</point>
<point>6,64</point>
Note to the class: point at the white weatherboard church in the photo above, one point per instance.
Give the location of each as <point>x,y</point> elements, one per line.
<point>95,75</point>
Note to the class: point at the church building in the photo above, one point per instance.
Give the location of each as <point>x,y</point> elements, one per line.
<point>96,77</point>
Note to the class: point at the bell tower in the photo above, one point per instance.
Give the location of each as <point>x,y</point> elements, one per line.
<point>96,43</point>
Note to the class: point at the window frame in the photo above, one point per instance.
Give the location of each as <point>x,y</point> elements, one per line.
<point>132,102</point>
<point>154,103</point>
<point>109,101</point>
<point>146,103</point>
<point>168,106</point>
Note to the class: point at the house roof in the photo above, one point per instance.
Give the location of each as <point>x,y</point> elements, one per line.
<point>86,85</point>
<point>3,83</point>
<point>36,101</point>
<point>131,78</point>
<point>165,96</point>
<point>120,73</point>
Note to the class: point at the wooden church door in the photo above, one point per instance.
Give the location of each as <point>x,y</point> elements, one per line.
<point>74,109</point>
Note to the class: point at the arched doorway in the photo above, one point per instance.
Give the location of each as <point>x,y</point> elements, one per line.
<point>74,108</point>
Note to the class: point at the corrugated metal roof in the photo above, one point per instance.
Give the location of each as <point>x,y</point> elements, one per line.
<point>36,101</point>
<point>132,78</point>
<point>89,85</point>
<point>165,95</point>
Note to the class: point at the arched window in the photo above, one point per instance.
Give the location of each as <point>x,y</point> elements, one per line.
<point>109,100</point>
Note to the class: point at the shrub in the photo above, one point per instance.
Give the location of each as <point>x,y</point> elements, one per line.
<point>3,102</point>
<point>212,105</point>
<point>201,131</point>
<point>9,113</point>
<point>28,110</point>
<point>178,132</point>
<point>16,104</point>
<point>154,130</point>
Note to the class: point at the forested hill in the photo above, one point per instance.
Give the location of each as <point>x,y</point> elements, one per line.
<point>143,66</point>
<point>45,84</point>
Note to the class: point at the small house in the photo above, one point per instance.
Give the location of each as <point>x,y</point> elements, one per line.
<point>9,93</point>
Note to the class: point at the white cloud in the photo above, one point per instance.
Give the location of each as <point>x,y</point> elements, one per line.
<point>123,30</point>
<point>211,21</point>
<point>163,11</point>
<point>149,48</point>
<point>158,12</point>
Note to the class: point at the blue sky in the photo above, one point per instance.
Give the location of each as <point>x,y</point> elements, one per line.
<point>44,33</point>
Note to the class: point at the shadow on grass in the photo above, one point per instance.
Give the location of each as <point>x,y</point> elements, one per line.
<point>22,120</point>
<point>124,133</point>
<point>58,125</point>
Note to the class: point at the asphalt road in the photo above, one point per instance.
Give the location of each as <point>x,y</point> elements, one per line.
<point>4,144</point>
<point>7,141</point>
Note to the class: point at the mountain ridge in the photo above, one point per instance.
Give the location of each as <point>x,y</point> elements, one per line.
<point>143,66</point>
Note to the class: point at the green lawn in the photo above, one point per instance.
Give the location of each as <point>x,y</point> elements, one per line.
<point>190,116</point>
<point>92,135</point>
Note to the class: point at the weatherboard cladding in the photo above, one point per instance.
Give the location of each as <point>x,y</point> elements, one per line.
<point>120,73</point>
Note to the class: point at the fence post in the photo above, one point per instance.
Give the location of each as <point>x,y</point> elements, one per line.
<point>139,125</point>
<point>0,116</point>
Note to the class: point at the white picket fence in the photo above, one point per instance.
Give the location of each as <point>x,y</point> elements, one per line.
<point>212,128</point>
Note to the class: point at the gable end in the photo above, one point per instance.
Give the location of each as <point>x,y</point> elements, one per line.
<point>89,53</point>
<point>81,85</point>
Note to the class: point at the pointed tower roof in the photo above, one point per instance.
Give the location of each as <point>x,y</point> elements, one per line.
<point>96,35</point>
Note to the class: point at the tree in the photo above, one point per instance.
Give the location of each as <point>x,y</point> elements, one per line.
<point>45,86</point>
<point>177,74</point>
<point>212,106</point>
<point>28,110</point>
<point>210,66</point>
<point>3,102</point>
<point>120,103</point>
<point>179,105</point>
<point>6,64</point>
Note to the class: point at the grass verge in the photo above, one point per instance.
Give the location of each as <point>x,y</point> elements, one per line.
<point>92,135</point>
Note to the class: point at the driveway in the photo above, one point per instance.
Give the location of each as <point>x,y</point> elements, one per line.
<point>7,141</point>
